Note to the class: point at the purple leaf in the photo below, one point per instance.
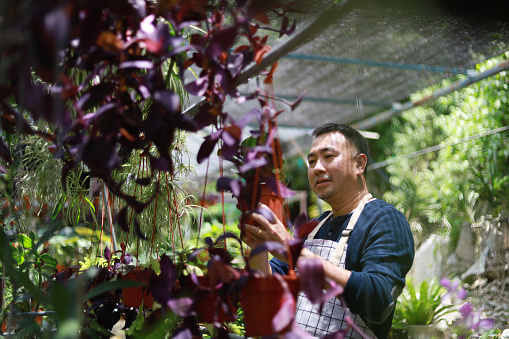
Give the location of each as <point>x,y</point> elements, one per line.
<point>95,95</point>
<point>270,246</point>
<point>226,81</point>
<point>230,145</point>
<point>168,99</point>
<point>204,116</point>
<point>88,119</point>
<point>206,148</point>
<point>199,86</point>
<point>297,333</point>
<point>303,226</point>
<point>229,184</point>
<point>336,335</point>
<point>127,259</point>
<point>107,253</point>
<point>312,278</point>
<point>141,64</point>
<point>221,42</point>
<point>13,122</point>
<point>296,103</point>
<point>235,63</point>
<point>277,187</point>
<point>252,164</point>
<point>100,157</point>
<point>267,213</point>
<point>161,285</point>
<point>284,26</point>
<point>312,281</point>
<point>143,181</point>
<point>466,309</point>
<point>138,231</point>
<point>182,333</point>
<point>180,306</point>
<point>160,164</point>
<point>246,118</point>
<point>66,169</point>
<point>286,312</point>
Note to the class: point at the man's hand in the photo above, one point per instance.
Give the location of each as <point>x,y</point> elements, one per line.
<point>264,230</point>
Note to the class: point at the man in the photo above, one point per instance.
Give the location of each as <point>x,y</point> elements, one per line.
<point>365,244</point>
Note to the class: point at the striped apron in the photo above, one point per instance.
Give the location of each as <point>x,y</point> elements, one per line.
<point>332,317</point>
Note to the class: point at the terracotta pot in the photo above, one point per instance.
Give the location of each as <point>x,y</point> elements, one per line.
<point>269,198</point>
<point>262,299</point>
<point>209,305</point>
<point>135,296</point>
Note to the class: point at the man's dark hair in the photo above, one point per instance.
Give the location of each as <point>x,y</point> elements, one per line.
<point>351,134</point>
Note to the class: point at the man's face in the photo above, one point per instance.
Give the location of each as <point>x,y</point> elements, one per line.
<point>332,171</point>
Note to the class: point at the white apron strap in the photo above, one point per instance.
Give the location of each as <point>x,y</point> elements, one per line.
<point>345,235</point>
<point>311,235</point>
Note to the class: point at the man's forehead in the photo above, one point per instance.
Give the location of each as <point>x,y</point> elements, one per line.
<point>334,140</point>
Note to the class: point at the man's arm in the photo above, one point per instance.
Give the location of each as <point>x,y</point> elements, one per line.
<point>339,275</point>
<point>379,259</point>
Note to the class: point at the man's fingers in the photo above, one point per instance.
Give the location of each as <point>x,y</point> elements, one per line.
<point>267,213</point>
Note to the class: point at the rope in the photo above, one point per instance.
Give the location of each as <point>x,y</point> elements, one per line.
<point>170,214</point>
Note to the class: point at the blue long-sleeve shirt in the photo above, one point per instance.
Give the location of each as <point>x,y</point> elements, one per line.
<point>379,255</point>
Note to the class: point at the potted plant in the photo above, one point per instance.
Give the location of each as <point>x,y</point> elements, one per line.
<point>419,309</point>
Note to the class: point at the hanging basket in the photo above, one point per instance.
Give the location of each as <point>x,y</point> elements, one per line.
<point>136,296</point>
<point>262,298</point>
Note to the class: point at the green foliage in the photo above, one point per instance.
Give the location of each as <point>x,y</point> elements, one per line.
<point>420,305</point>
<point>465,177</point>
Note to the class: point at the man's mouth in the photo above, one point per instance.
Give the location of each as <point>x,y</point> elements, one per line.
<point>321,181</point>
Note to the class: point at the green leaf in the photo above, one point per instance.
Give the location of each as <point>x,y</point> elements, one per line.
<point>68,329</point>
<point>58,207</point>
<point>90,203</point>
<point>25,241</point>
<point>49,262</point>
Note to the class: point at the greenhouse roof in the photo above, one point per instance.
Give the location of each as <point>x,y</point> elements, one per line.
<point>360,63</point>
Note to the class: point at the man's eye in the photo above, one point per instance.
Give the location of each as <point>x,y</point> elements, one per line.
<point>311,161</point>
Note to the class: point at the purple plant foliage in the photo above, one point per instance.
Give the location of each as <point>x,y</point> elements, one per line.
<point>162,287</point>
<point>454,291</point>
<point>470,319</point>
<point>312,279</point>
<point>286,313</point>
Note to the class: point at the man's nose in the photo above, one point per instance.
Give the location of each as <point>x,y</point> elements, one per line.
<point>319,167</point>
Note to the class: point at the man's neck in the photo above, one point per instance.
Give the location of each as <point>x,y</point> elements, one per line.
<point>346,206</point>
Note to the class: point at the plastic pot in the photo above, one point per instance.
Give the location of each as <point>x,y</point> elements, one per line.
<point>262,298</point>
<point>135,296</point>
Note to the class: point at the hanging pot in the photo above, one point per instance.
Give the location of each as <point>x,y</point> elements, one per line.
<point>135,296</point>
<point>266,196</point>
<point>262,297</point>
<point>209,309</point>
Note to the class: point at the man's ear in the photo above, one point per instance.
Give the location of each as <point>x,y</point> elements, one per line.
<point>361,161</point>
